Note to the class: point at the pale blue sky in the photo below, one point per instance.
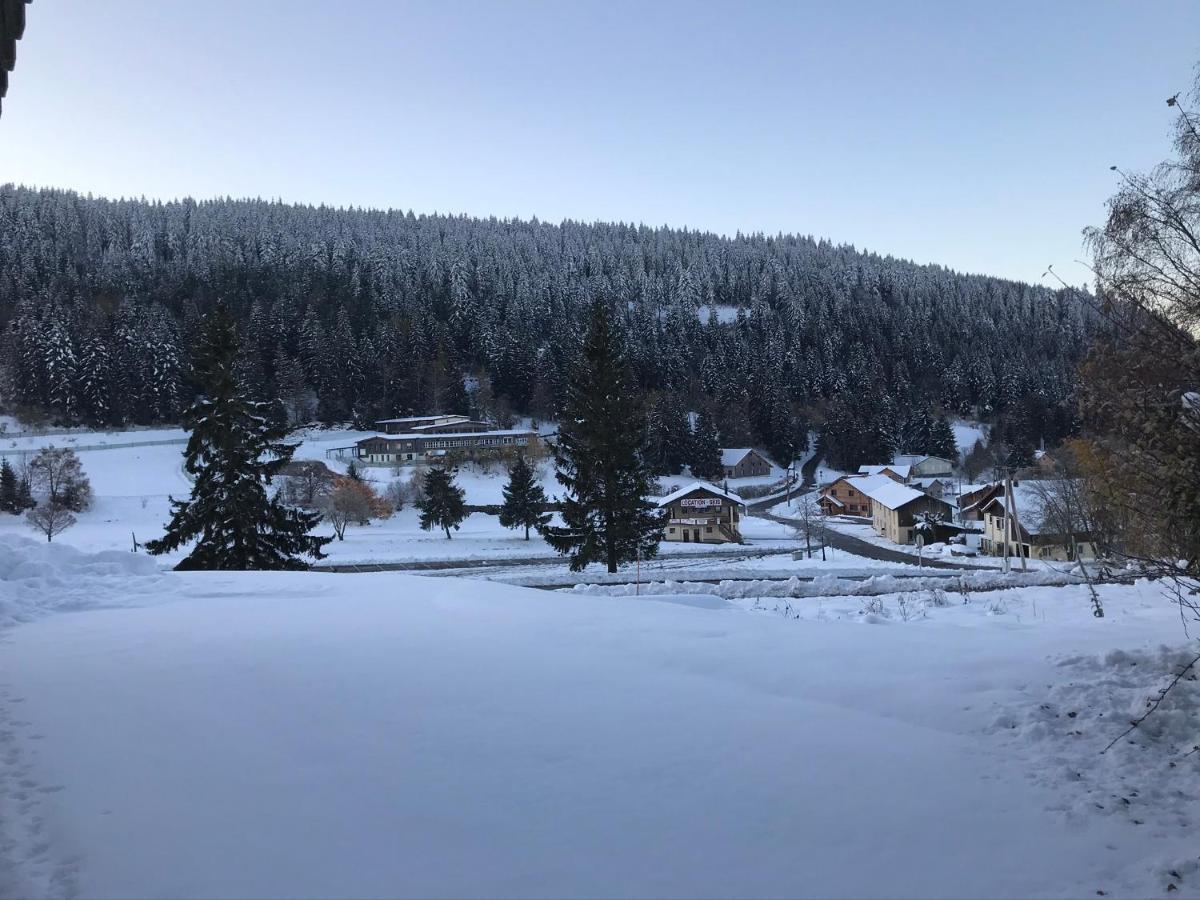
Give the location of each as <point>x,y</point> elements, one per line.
<point>971,134</point>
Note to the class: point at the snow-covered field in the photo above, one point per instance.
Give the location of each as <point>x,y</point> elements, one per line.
<point>172,734</point>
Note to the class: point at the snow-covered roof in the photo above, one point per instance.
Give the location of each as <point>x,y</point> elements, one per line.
<point>972,488</point>
<point>915,459</point>
<point>863,482</point>
<point>829,498</point>
<point>1030,504</point>
<point>700,486</point>
<point>428,435</point>
<point>928,480</point>
<point>894,495</point>
<point>436,416</point>
<point>902,470</point>
<point>734,455</point>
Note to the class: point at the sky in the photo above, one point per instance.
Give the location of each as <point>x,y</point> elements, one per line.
<point>978,136</point>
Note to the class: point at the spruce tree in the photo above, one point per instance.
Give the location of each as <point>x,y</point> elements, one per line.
<point>8,488</point>
<point>941,440</point>
<point>705,452</point>
<point>236,447</point>
<point>442,506</point>
<point>524,499</point>
<point>599,454</point>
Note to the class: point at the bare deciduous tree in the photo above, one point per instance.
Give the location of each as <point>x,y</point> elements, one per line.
<point>51,519</point>
<point>57,474</point>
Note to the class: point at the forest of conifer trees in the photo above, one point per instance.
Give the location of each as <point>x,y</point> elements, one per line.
<point>352,315</point>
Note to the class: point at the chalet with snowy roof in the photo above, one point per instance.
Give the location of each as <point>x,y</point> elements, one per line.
<point>973,499</point>
<point>895,508</point>
<point>847,496</point>
<point>745,462</point>
<point>1033,529</point>
<point>702,513</point>
<point>935,487</point>
<point>894,472</point>
<point>921,466</point>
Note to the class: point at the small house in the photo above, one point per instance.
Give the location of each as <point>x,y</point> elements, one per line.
<point>702,513</point>
<point>894,472</point>
<point>922,466</point>
<point>895,507</point>
<point>745,462</point>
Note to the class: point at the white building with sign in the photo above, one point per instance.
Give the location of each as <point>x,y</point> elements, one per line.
<point>702,513</point>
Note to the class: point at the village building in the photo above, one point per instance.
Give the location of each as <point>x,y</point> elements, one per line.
<point>701,513</point>
<point>1032,530</point>
<point>435,424</point>
<point>922,466</point>
<point>974,498</point>
<point>417,447</point>
<point>847,495</point>
<point>745,462</point>
<point>894,472</point>
<point>934,487</point>
<point>895,507</point>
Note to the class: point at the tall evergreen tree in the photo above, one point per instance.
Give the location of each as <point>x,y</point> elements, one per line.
<point>524,499</point>
<point>705,452</point>
<point>941,440</point>
<point>236,447</point>
<point>599,454</point>
<point>442,505</point>
<point>8,487</point>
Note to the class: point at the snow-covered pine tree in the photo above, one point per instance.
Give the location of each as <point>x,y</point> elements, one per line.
<point>599,454</point>
<point>705,451</point>
<point>234,451</point>
<point>94,378</point>
<point>941,440</point>
<point>442,503</point>
<point>524,499</point>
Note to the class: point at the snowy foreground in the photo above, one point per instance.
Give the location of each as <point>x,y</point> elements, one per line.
<point>317,735</point>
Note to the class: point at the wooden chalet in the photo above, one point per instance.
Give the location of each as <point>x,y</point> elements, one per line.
<point>895,507</point>
<point>847,496</point>
<point>894,472</point>
<point>702,513</point>
<point>972,501</point>
<point>1032,531</point>
<point>745,462</point>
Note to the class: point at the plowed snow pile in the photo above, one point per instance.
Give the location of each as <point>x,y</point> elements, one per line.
<point>39,577</point>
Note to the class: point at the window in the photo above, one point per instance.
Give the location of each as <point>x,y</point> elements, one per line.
<point>670,530</point>
<point>708,529</point>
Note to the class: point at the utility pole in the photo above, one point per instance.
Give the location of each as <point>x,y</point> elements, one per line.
<point>1007,506</point>
<point>1016,517</point>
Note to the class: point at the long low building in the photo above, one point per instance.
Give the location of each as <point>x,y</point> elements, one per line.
<point>416,447</point>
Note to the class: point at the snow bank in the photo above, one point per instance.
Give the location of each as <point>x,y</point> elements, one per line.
<point>37,577</point>
<point>832,586</point>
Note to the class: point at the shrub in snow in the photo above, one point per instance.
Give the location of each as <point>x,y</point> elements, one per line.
<point>875,607</point>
